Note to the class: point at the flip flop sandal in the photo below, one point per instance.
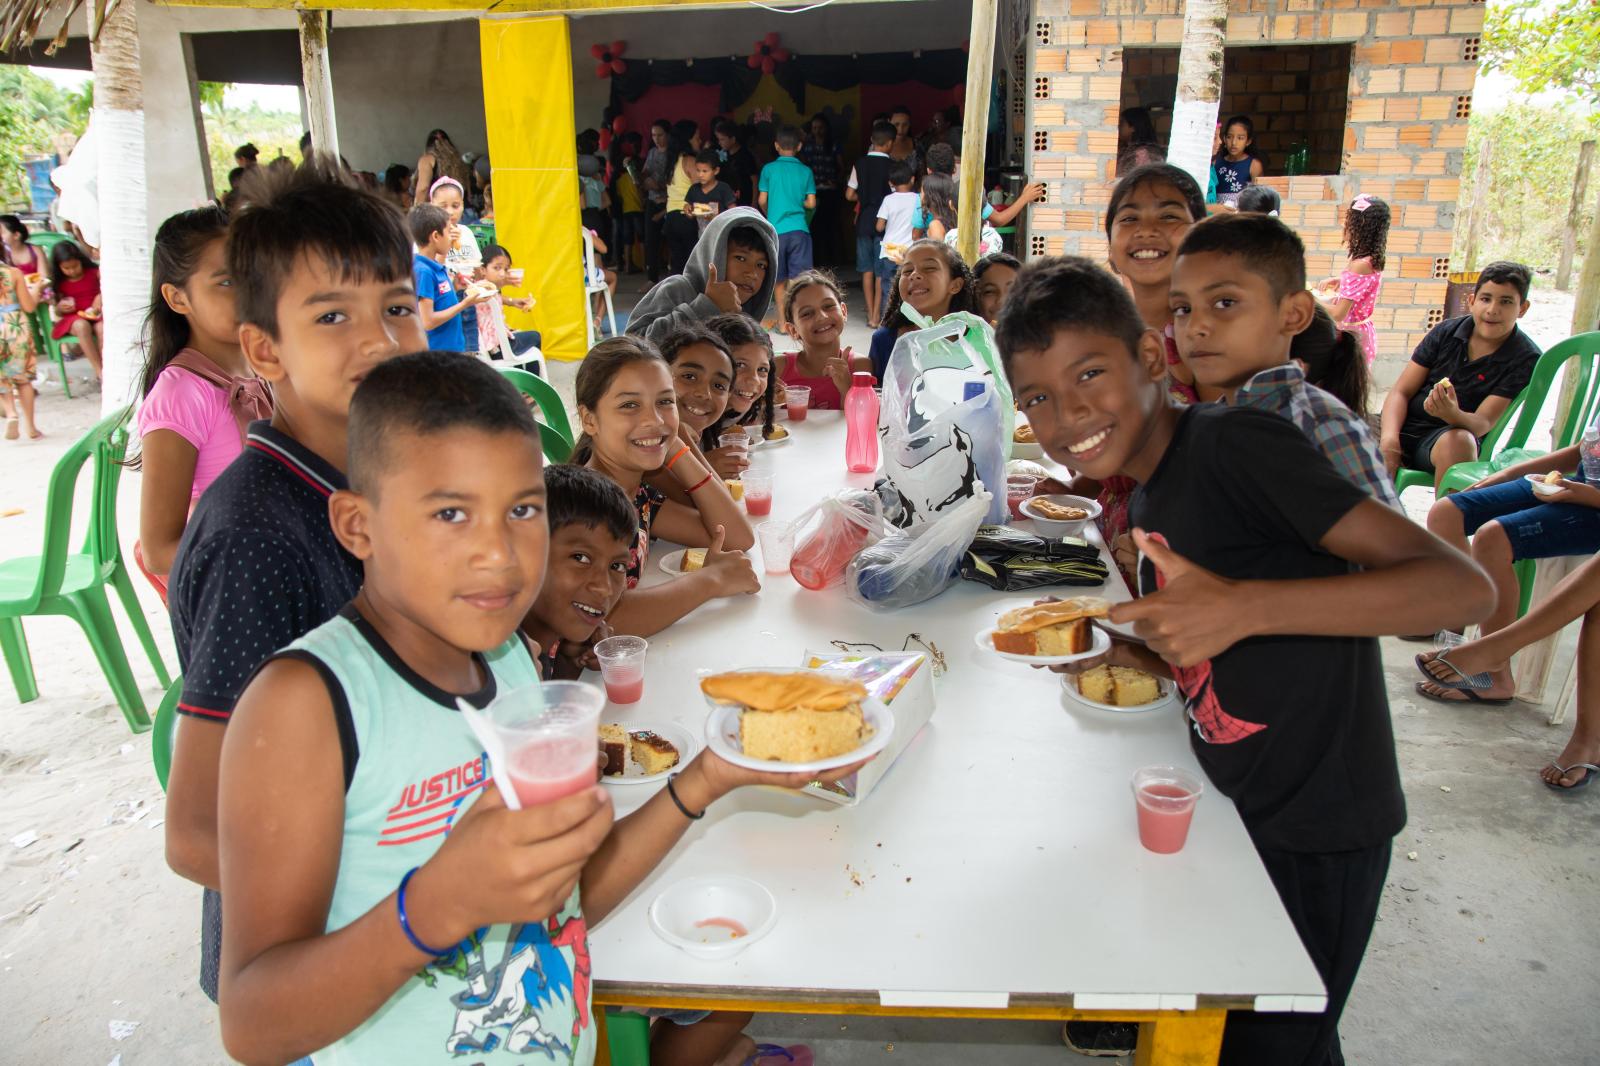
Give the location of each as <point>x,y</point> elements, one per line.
<point>1468,681</point>
<point>1469,695</point>
<point>798,1054</point>
<point>1583,782</point>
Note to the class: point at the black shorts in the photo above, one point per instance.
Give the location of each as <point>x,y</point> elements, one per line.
<point>1417,451</point>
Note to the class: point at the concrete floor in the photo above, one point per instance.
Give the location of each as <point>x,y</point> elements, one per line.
<point>1484,953</point>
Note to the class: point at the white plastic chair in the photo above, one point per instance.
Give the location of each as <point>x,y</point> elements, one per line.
<point>592,270</point>
<point>508,358</point>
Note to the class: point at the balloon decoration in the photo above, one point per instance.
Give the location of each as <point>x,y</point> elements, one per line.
<point>768,54</point>
<point>611,130</point>
<point>608,58</point>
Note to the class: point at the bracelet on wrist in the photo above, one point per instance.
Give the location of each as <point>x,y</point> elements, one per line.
<point>673,792</point>
<point>405,922</point>
<point>700,484</point>
<point>675,457</point>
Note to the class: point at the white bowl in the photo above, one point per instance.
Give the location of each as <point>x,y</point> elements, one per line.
<point>678,912</point>
<point>1051,527</point>
<point>1542,489</point>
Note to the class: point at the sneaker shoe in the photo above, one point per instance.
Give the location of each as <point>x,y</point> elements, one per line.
<point>1100,1039</point>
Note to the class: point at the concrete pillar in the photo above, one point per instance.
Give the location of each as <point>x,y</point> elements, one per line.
<point>176,166</point>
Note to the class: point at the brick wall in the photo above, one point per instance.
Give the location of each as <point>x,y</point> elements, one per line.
<point>1409,92</point>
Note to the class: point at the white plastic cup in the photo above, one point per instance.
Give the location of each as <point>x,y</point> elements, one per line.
<point>757,493</point>
<point>777,546</point>
<point>797,401</point>
<point>622,667</point>
<point>1165,797</point>
<point>549,734</point>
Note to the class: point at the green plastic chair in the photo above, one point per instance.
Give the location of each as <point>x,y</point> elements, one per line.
<point>628,1037</point>
<point>47,238</point>
<point>484,231</point>
<point>40,323</point>
<point>165,734</point>
<point>1506,442</point>
<point>60,581</point>
<point>555,430</point>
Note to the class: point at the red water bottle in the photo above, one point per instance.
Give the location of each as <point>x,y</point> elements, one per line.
<point>861,425</point>
<point>821,559</point>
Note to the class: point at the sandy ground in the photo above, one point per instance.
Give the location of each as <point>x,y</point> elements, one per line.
<point>1484,952</point>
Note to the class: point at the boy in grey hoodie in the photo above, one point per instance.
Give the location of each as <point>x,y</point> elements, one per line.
<point>730,270</point>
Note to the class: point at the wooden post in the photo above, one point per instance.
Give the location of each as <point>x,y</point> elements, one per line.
<point>314,72</point>
<point>975,127</point>
<point>1569,238</point>
<point>1586,308</point>
<point>1480,204</point>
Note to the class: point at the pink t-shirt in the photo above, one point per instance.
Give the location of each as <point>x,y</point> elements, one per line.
<point>197,411</point>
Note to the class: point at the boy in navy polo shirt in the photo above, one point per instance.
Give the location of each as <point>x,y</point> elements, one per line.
<point>438,305</point>
<point>321,270</point>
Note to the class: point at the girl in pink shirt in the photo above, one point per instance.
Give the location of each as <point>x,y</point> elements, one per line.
<point>1352,297</point>
<point>199,392</point>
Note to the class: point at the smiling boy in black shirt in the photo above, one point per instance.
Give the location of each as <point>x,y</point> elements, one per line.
<point>1266,575</point>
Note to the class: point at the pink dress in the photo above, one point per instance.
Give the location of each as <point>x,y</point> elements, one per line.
<point>1362,292</point>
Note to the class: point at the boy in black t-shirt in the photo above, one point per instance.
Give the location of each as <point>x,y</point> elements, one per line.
<point>1461,378</point>
<point>322,275</point>
<point>1266,575</point>
<point>707,189</point>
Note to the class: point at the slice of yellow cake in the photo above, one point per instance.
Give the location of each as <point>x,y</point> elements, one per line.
<point>792,717</point>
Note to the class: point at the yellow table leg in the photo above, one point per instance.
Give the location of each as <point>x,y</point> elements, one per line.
<point>1188,1038</point>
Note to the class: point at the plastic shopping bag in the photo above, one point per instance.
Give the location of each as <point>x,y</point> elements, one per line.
<point>1011,560</point>
<point>913,565</point>
<point>830,534</point>
<point>945,421</point>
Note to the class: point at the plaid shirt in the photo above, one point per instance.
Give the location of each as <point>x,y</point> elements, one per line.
<point>1346,440</point>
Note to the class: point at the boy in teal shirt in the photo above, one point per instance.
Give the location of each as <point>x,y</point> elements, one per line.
<point>788,191</point>
<point>381,902</point>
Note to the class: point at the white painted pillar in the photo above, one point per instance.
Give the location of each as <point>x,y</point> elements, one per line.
<point>316,76</point>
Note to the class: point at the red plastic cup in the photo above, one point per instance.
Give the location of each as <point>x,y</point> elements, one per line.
<point>797,400</point>
<point>1165,797</point>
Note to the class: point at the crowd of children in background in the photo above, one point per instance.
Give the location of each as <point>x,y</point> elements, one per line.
<point>287,458</point>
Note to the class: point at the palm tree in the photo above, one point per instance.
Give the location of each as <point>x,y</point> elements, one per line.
<point>118,117</point>
<point>1194,116</point>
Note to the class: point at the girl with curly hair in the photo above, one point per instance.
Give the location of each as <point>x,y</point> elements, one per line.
<point>1352,296</point>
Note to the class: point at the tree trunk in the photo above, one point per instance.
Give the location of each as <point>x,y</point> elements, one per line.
<point>124,229</point>
<point>1194,115</point>
<point>975,128</point>
<point>1569,237</point>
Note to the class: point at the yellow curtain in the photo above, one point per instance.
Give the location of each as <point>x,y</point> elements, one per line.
<point>533,150</point>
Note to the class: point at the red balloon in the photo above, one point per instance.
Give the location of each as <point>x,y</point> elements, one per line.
<point>755,61</point>
<point>770,40</point>
<point>768,66</point>
<point>618,47</point>
<point>602,70</point>
<point>597,50</point>
<point>605,138</point>
<point>619,66</point>
<point>619,124</point>
<point>781,55</point>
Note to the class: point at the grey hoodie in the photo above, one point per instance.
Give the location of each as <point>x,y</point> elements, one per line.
<point>681,299</point>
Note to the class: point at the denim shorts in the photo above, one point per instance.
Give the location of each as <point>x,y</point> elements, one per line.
<point>887,269</point>
<point>1536,530</point>
<point>866,254</point>
<point>676,1017</point>
<point>794,254</point>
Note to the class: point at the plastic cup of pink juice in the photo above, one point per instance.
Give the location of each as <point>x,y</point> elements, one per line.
<point>1165,797</point>
<point>550,749</point>
<point>757,494</point>
<point>1019,488</point>
<point>622,667</point>
<point>797,400</point>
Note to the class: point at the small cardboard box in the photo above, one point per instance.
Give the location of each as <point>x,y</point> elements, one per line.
<point>902,681</point>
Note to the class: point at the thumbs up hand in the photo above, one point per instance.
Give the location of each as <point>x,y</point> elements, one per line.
<point>1193,616</point>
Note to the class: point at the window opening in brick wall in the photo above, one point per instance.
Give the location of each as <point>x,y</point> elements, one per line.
<point>1295,94</point>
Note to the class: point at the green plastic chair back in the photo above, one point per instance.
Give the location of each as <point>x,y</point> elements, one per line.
<point>627,1037</point>
<point>47,238</point>
<point>102,445</point>
<point>484,231</point>
<point>164,734</point>
<point>555,429</point>
<point>1507,442</point>
<point>40,324</point>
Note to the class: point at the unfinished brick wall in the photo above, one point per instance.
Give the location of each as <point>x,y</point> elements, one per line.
<point>1409,90</point>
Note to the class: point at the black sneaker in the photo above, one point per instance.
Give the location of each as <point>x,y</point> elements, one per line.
<point>1100,1039</point>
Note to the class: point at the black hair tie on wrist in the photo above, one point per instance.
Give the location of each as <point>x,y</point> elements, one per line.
<point>673,792</point>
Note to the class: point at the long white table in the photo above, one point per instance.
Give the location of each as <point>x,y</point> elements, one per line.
<point>1000,868</point>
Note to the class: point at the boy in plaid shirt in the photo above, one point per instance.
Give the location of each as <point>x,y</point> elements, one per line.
<point>1238,299</point>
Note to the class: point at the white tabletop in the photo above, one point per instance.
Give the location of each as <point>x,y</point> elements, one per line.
<point>997,862</point>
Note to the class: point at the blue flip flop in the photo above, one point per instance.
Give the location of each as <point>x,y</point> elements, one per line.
<point>1583,782</point>
<point>1467,682</point>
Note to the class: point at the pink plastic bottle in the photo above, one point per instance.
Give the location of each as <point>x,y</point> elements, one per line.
<point>861,425</point>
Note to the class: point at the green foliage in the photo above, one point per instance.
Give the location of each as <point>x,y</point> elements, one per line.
<point>1531,170</point>
<point>274,133</point>
<point>32,110</point>
<point>1545,45</point>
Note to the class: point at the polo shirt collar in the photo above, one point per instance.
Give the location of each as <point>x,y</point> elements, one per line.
<point>1463,330</point>
<point>1288,375</point>
<point>301,461</point>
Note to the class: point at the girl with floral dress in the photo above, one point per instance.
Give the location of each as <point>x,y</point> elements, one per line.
<point>18,355</point>
<point>1352,297</point>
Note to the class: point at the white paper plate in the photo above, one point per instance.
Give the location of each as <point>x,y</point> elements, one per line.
<point>672,733</point>
<point>1540,488</point>
<point>1100,643</point>
<point>672,562</point>
<point>1168,697</point>
<point>722,737</point>
<point>758,441</point>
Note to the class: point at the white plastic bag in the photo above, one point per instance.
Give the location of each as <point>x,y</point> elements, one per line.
<point>913,565</point>
<point>944,422</point>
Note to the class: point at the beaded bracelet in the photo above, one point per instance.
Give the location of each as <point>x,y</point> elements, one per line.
<point>405,923</point>
<point>699,484</point>
<point>675,457</point>
<point>673,792</point>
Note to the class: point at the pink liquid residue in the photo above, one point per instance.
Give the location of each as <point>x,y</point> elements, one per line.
<point>736,928</point>
<point>757,505</point>
<point>626,690</point>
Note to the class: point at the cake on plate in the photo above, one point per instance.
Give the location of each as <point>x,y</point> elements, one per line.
<point>653,752</point>
<point>614,742</point>
<point>1058,628</point>
<point>693,559</point>
<point>1120,686</point>
<point>793,717</point>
